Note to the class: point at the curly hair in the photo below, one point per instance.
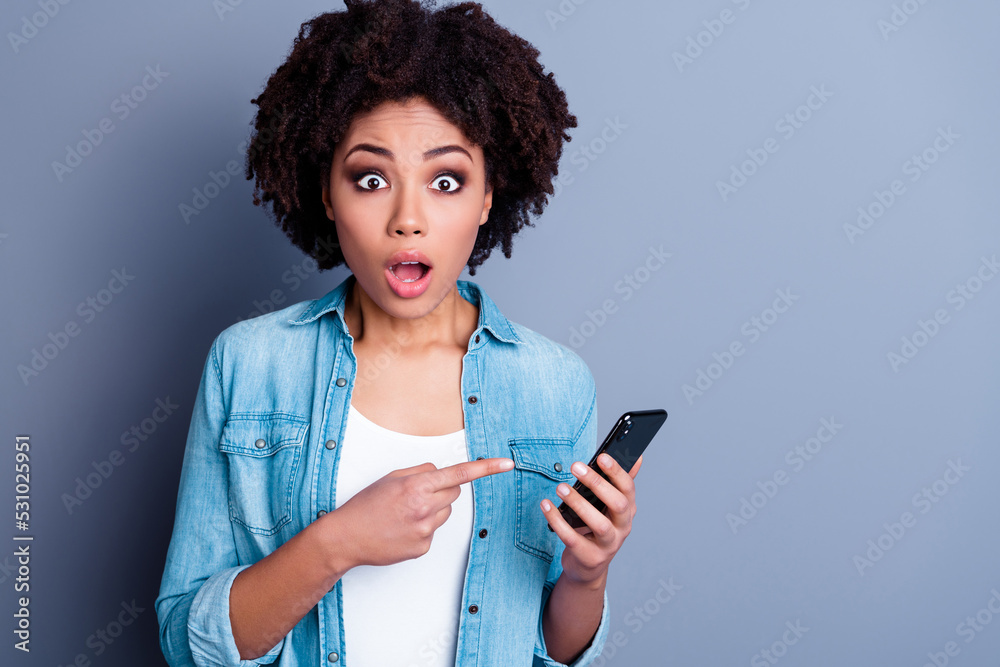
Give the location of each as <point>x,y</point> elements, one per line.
<point>481,77</point>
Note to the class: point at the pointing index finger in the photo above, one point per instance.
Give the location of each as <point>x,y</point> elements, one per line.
<point>460,473</point>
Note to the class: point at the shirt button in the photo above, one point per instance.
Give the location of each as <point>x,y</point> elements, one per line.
<point>482,533</point>
<point>261,444</point>
<point>477,338</point>
<point>340,383</point>
<point>479,458</point>
<point>473,609</point>
<point>558,466</point>
<point>330,444</point>
<point>333,657</point>
<point>320,513</point>
<point>472,399</point>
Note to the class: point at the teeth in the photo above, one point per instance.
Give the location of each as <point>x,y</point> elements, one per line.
<point>413,280</point>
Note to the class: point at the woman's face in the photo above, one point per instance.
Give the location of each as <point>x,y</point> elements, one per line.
<point>404,178</point>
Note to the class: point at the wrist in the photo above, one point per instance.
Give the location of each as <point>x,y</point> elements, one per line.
<point>596,582</point>
<point>333,543</point>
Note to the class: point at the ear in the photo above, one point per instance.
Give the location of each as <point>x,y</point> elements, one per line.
<point>487,204</point>
<point>327,203</point>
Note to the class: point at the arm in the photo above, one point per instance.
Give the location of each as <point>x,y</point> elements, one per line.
<point>270,597</point>
<point>587,553</point>
<point>192,605</point>
<point>203,578</point>
<point>572,617</point>
<point>574,620</point>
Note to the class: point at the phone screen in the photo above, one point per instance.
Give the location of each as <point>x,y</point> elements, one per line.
<point>625,444</point>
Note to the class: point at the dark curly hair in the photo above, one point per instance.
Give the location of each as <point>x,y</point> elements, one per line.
<point>481,77</point>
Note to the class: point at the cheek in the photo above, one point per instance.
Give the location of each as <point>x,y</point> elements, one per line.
<point>350,245</point>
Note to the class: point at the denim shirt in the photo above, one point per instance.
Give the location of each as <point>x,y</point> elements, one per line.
<point>261,461</point>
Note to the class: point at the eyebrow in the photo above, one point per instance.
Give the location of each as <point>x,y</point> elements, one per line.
<point>385,152</point>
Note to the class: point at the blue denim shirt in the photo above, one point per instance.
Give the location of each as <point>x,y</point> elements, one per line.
<point>261,460</point>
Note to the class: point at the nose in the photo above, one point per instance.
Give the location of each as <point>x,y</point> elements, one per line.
<point>408,217</point>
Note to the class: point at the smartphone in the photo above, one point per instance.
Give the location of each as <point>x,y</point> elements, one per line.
<point>625,443</point>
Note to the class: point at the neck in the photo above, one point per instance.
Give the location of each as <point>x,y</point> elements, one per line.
<point>450,323</point>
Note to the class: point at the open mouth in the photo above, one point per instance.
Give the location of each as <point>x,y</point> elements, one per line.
<point>409,272</point>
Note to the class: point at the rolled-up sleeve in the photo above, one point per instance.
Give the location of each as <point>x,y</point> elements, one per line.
<point>193,603</point>
<point>542,657</point>
<point>585,447</point>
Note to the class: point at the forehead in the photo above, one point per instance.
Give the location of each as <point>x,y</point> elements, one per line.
<point>414,121</point>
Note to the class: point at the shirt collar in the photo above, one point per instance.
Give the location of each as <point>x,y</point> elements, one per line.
<point>490,317</point>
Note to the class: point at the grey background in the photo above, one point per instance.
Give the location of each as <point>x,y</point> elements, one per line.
<point>681,130</point>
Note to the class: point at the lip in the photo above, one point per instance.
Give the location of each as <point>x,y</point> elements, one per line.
<point>409,256</point>
<point>417,287</point>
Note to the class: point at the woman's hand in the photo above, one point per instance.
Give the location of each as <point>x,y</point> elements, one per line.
<point>590,548</point>
<point>394,518</point>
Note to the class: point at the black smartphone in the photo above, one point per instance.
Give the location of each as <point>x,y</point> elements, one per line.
<point>625,443</point>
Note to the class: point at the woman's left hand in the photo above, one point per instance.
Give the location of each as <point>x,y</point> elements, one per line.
<point>590,548</point>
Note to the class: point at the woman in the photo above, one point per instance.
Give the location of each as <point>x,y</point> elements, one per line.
<point>367,475</point>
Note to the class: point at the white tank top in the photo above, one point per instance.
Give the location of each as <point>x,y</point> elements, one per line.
<point>420,598</point>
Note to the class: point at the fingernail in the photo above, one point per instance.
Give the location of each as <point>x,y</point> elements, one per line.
<point>562,489</point>
<point>579,469</point>
<point>507,464</point>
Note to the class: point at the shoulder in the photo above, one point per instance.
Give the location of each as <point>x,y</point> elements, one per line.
<point>527,364</point>
<point>265,336</point>
<point>539,351</point>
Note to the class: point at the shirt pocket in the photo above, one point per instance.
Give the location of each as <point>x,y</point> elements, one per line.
<point>263,453</point>
<point>539,465</point>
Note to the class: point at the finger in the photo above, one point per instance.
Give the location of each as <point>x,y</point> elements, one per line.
<point>599,524</point>
<point>412,469</point>
<point>621,479</point>
<point>615,490</point>
<point>635,469</point>
<point>460,473</point>
<point>618,493</point>
<point>569,535</point>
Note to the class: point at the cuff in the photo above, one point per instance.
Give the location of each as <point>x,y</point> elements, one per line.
<point>210,631</point>
<point>542,657</point>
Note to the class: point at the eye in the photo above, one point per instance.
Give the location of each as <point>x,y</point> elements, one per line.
<point>371,181</point>
<point>447,183</point>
